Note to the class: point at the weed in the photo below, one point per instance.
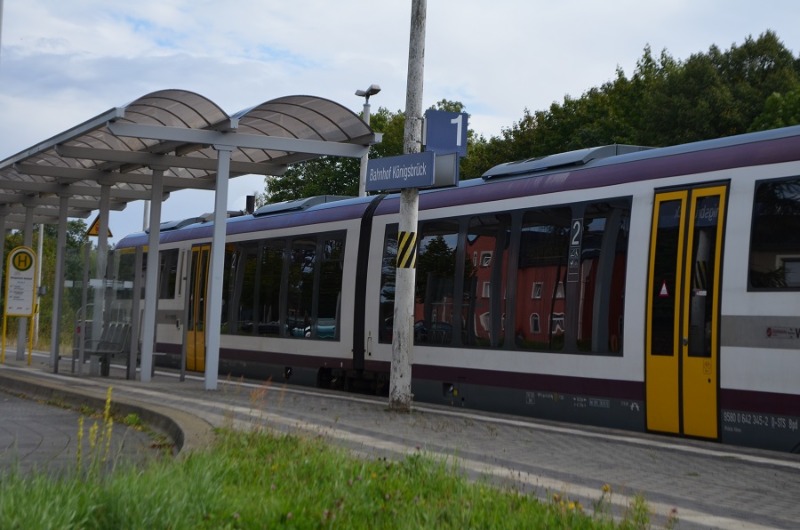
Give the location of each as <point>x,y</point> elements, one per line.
<point>260,480</point>
<point>133,420</point>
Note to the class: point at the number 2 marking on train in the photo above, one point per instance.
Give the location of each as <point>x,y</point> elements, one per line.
<point>577,225</point>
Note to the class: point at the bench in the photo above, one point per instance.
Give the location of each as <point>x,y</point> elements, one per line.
<point>114,342</point>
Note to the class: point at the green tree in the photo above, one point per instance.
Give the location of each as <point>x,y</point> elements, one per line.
<point>73,270</point>
<point>339,176</point>
<point>335,175</point>
<point>780,110</point>
<point>664,102</point>
<point>321,176</point>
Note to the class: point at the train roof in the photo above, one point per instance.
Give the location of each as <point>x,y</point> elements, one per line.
<point>296,205</point>
<point>581,169</point>
<point>324,208</point>
<point>561,161</point>
<point>600,167</point>
<point>621,153</point>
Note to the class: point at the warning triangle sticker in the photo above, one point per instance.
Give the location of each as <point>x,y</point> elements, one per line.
<point>94,228</point>
<point>664,293</point>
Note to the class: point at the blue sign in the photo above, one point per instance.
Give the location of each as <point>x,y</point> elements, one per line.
<point>415,170</point>
<point>446,132</point>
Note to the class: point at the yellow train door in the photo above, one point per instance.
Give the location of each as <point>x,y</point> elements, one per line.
<point>682,335</point>
<point>196,329</point>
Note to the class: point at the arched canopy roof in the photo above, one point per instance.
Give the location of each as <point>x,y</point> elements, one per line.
<point>101,151</point>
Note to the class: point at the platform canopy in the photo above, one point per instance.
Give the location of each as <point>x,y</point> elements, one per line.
<point>81,160</point>
<point>163,142</point>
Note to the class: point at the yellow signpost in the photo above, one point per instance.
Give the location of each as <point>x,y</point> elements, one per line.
<point>20,292</point>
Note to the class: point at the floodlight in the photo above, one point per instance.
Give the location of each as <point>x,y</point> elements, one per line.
<point>371,91</point>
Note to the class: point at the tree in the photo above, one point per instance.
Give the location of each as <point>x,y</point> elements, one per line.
<point>322,176</point>
<point>73,270</point>
<point>780,110</point>
<point>665,101</point>
<point>339,176</point>
<point>335,175</point>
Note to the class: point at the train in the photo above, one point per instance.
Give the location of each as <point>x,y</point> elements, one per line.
<point>644,289</point>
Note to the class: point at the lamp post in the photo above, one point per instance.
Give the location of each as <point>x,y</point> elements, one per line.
<point>371,91</point>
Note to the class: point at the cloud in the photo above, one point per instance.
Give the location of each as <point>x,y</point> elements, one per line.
<point>62,63</point>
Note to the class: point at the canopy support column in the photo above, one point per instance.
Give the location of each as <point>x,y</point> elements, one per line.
<point>151,281</point>
<point>58,287</point>
<point>216,273</point>
<point>136,315</point>
<point>22,323</point>
<point>98,309</point>
<point>3,213</point>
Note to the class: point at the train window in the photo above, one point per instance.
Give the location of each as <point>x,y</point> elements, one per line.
<point>463,278</point>
<point>302,260</point>
<point>313,279</point>
<point>667,249</point>
<point>168,273</point>
<point>581,296</point>
<point>227,294</point>
<point>283,288</point>
<point>241,271</point>
<point>269,287</point>
<point>388,268</point>
<point>487,236</point>
<point>775,236</point>
<point>435,281</point>
<point>330,290</point>
<point>543,248</point>
<point>601,297</point>
<point>125,274</point>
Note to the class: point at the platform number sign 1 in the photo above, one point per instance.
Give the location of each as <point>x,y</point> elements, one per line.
<point>446,132</point>
<point>457,121</point>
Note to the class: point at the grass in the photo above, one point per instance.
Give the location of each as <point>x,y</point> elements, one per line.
<point>261,480</point>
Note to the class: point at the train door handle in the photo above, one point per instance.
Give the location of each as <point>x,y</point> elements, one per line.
<point>685,341</point>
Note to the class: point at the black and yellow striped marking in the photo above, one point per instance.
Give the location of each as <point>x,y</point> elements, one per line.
<point>407,250</point>
<point>701,275</point>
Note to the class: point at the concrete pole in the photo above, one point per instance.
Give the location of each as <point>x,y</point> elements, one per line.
<point>217,272</point>
<point>151,281</point>
<point>22,323</point>
<point>400,396</point>
<point>146,215</point>
<point>136,314</point>
<point>362,180</point>
<point>39,248</point>
<point>3,214</point>
<point>99,298</point>
<point>58,283</point>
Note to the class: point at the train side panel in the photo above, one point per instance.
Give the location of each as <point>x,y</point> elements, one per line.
<point>760,332</point>
<point>654,291</point>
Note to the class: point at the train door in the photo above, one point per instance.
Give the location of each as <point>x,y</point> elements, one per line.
<point>683,304</point>
<point>196,329</point>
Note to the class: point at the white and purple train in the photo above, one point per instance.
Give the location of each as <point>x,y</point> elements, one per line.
<point>645,289</point>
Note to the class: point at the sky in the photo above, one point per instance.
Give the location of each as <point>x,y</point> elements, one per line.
<point>64,62</point>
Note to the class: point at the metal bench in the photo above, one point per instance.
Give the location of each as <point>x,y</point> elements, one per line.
<point>114,342</point>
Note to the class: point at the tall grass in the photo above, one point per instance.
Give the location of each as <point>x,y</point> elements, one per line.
<point>261,480</point>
